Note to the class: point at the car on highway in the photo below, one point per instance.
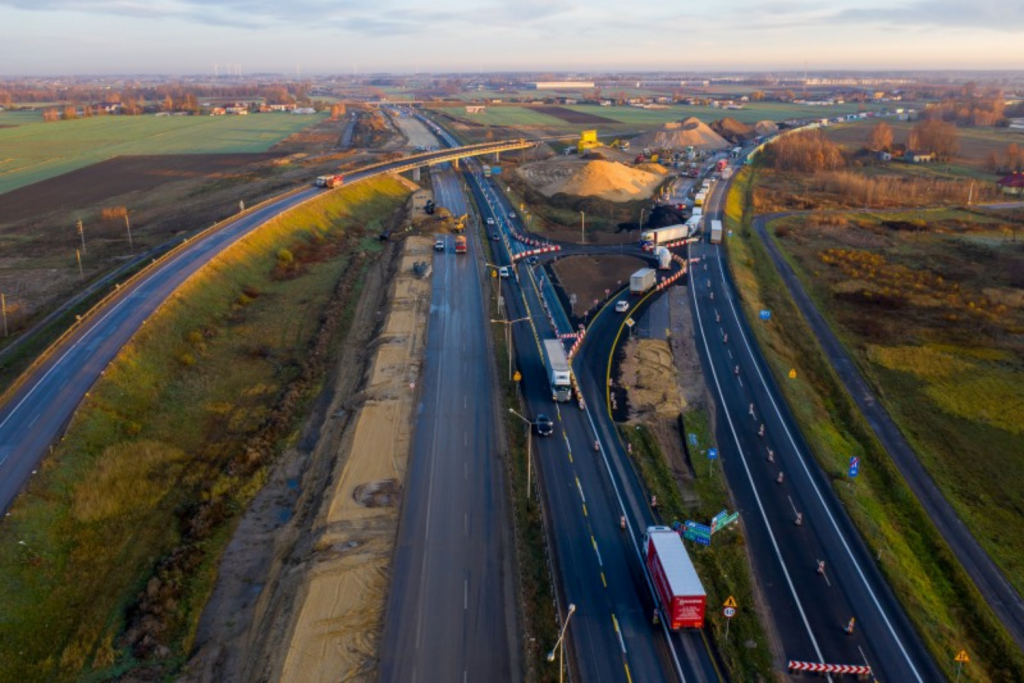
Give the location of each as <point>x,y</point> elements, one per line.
<point>503,271</point>
<point>494,236</point>
<point>439,245</point>
<point>544,425</point>
<point>511,214</point>
<point>621,306</point>
<point>533,260</point>
<point>490,221</point>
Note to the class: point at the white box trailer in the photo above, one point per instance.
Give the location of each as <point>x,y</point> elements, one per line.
<point>558,370</point>
<point>642,280</point>
<point>664,257</point>
<point>716,232</point>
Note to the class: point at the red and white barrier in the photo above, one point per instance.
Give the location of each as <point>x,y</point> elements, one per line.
<point>545,249</point>
<point>576,344</point>
<point>848,669</point>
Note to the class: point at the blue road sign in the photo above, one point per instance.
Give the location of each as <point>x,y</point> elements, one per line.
<point>693,439</point>
<point>766,314</point>
<point>854,466</point>
<point>712,454</point>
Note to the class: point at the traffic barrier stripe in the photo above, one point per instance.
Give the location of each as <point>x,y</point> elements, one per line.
<point>815,667</point>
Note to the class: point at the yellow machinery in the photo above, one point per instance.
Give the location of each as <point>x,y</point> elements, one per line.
<point>588,140</point>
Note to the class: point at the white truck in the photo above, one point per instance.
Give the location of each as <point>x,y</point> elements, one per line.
<point>642,280</point>
<point>693,225</point>
<point>653,238</point>
<point>558,370</point>
<point>716,232</point>
<point>664,257</point>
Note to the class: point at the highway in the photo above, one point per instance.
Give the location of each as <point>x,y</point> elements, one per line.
<point>597,565</point>
<point>34,415</point>
<point>1004,599</point>
<point>451,610</point>
<point>810,610</point>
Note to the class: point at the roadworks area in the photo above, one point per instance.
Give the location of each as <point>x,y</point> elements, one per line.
<point>307,604</point>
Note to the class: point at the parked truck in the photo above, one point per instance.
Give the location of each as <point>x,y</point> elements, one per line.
<point>651,238</point>
<point>693,225</point>
<point>330,181</point>
<point>716,232</point>
<point>720,166</point>
<point>558,370</point>
<point>642,280</point>
<point>675,580</point>
<point>460,244</point>
<point>664,257</point>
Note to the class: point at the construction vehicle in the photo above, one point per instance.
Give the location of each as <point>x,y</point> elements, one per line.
<point>460,222</point>
<point>588,140</point>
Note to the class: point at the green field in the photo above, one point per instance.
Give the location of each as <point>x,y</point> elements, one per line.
<point>31,150</point>
<point>510,116</point>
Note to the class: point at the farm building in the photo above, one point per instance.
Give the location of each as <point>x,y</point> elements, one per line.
<point>562,85</point>
<point>1012,184</point>
<point>914,157</point>
<point>476,109</point>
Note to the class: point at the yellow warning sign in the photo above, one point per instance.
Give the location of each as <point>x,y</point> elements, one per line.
<point>730,602</point>
<point>962,657</point>
<point>517,376</point>
<point>792,373</point>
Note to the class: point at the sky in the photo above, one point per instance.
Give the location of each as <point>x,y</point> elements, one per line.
<point>64,37</point>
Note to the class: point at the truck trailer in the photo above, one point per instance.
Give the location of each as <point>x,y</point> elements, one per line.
<point>642,280</point>
<point>664,257</point>
<point>330,181</point>
<point>671,233</point>
<point>460,244</point>
<point>558,370</point>
<point>675,580</point>
<point>716,232</point>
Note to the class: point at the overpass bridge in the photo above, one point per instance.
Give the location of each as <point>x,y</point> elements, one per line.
<point>452,154</point>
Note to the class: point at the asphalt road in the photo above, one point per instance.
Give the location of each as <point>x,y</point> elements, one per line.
<point>1005,601</point>
<point>597,565</point>
<point>451,612</point>
<point>36,414</point>
<point>809,610</point>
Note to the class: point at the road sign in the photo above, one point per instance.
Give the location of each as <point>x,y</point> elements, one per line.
<point>712,454</point>
<point>792,373</point>
<point>729,612</point>
<point>727,521</point>
<point>766,314</point>
<point>730,602</point>
<point>854,466</point>
<point>629,322</point>
<point>717,519</point>
<point>962,657</point>
<point>517,377</point>
<point>693,439</point>
<point>698,533</point>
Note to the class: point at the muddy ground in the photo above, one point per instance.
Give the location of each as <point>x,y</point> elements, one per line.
<point>589,276</point>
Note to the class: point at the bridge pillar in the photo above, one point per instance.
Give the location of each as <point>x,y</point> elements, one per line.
<point>455,164</point>
<point>497,157</point>
<point>416,174</point>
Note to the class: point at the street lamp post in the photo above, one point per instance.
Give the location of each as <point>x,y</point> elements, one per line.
<point>529,449</point>
<point>508,339</point>
<point>560,645</point>
<point>583,224</point>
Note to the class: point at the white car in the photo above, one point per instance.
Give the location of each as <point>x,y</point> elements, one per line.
<point>503,271</point>
<point>621,306</point>
<point>490,221</point>
<point>439,245</point>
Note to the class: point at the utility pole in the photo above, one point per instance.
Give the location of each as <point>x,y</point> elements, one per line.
<point>3,307</point>
<point>78,257</point>
<point>583,235</point>
<point>81,233</point>
<point>128,225</point>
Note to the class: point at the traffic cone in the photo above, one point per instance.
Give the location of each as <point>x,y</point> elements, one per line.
<point>849,626</point>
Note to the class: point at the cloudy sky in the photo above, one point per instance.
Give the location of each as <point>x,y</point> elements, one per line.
<point>39,37</point>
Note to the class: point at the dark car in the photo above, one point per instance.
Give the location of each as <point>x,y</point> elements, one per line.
<point>544,425</point>
<point>533,260</point>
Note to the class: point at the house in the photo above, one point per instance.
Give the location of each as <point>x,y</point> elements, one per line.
<point>884,156</point>
<point>915,157</point>
<point>476,109</point>
<point>1012,184</point>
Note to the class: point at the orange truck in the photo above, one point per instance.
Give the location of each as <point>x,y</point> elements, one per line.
<point>330,181</point>
<point>460,244</point>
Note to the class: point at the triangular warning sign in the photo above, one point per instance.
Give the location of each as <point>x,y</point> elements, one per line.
<point>962,657</point>
<point>730,602</point>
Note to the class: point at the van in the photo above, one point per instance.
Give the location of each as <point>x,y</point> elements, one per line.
<point>503,271</point>
<point>621,306</point>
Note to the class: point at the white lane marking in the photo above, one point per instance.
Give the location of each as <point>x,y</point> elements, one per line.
<point>792,504</point>
<point>64,384</point>
<point>864,656</point>
<point>465,439</point>
<point>750,479</point>
<point>465,594</point>
<point>803,463</point>
<point>618,632</point>
<point>580,489</point>
<point>597,551</point>
<point>34,420</point>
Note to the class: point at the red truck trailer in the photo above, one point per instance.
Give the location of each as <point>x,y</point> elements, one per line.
<point>330,181</point>
<point>679,590</point>
<point>720,166</point>
<point>460,244</point>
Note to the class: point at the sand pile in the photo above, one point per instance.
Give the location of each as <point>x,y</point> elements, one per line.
<point>608,180</point>
<point>648,374</point>
<point>732,130</point>
<point>682,134</point>
<point>766,128</point>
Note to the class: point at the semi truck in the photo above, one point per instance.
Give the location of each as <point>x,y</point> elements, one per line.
<point>460,244</point>
<point>558,370</point>
<point>642,280</point>
<point>330,181</point>
<point>720,166</point>
<point>679,591</point>
<point>716,232</point>
<point>698,200</point>
<point>693,225</point>
<point>664,257</point>
<point>658,236</point>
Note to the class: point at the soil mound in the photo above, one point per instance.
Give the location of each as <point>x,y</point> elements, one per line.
<point>732,130</point>
<point>691,132</point>
<point>608,180</point>
<point>766,128</point>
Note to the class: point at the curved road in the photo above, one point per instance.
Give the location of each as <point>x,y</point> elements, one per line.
<point>1005,601</point>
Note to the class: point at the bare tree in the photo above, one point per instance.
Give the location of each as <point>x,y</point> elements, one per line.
<point>880,139</point>
<point>938,137</point>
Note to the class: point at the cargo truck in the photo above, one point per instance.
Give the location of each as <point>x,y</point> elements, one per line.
<point>330,181</point>
<point>679,591</point>
<point>642,280</point>
<point>693,225</point>
<point>558,370</point>
<point>716,232</point>
<point>658,236</point>
<point>698,200</point>
<point>460,244</point>
<point>720,166</point>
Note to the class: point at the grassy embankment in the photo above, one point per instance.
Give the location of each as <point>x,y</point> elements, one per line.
<point>938,595</point>
<point>111,554</point>
<point>723,566</point>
